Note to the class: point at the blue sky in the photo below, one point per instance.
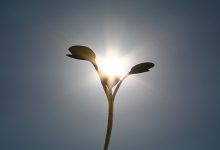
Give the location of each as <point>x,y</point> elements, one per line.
<point>49,101</point>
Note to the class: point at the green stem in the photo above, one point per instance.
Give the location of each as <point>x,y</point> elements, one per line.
<point>110,122</point>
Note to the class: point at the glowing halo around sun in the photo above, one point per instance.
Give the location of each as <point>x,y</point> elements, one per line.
<point>113,64</point>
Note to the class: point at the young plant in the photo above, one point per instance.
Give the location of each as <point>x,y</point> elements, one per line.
<point>107,81</point>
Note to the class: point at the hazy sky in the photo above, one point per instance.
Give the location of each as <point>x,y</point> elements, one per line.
<point>51,102</point>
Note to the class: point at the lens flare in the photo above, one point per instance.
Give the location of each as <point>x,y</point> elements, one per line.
<point>113,64</point>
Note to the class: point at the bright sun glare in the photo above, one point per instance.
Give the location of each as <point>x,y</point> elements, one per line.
<point>113,64</point>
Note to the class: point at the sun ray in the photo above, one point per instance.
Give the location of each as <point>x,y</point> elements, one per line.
<point>113,63</point>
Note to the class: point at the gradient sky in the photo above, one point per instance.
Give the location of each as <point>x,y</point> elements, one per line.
<point>51,102</point>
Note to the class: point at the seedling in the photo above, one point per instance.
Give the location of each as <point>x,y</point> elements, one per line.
<point>107,81</point>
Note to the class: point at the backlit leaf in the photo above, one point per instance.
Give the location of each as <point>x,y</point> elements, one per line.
<point>142,67</point>
<point>82,53</point>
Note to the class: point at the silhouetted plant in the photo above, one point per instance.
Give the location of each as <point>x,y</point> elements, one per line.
<point>85,53</point>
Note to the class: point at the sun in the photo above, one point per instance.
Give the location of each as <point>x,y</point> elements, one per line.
<point>113,64</point>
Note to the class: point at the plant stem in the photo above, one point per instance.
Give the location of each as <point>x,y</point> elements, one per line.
<point>110,122</point>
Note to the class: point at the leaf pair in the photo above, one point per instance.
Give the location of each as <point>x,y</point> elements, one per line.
<point>85,53</point>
